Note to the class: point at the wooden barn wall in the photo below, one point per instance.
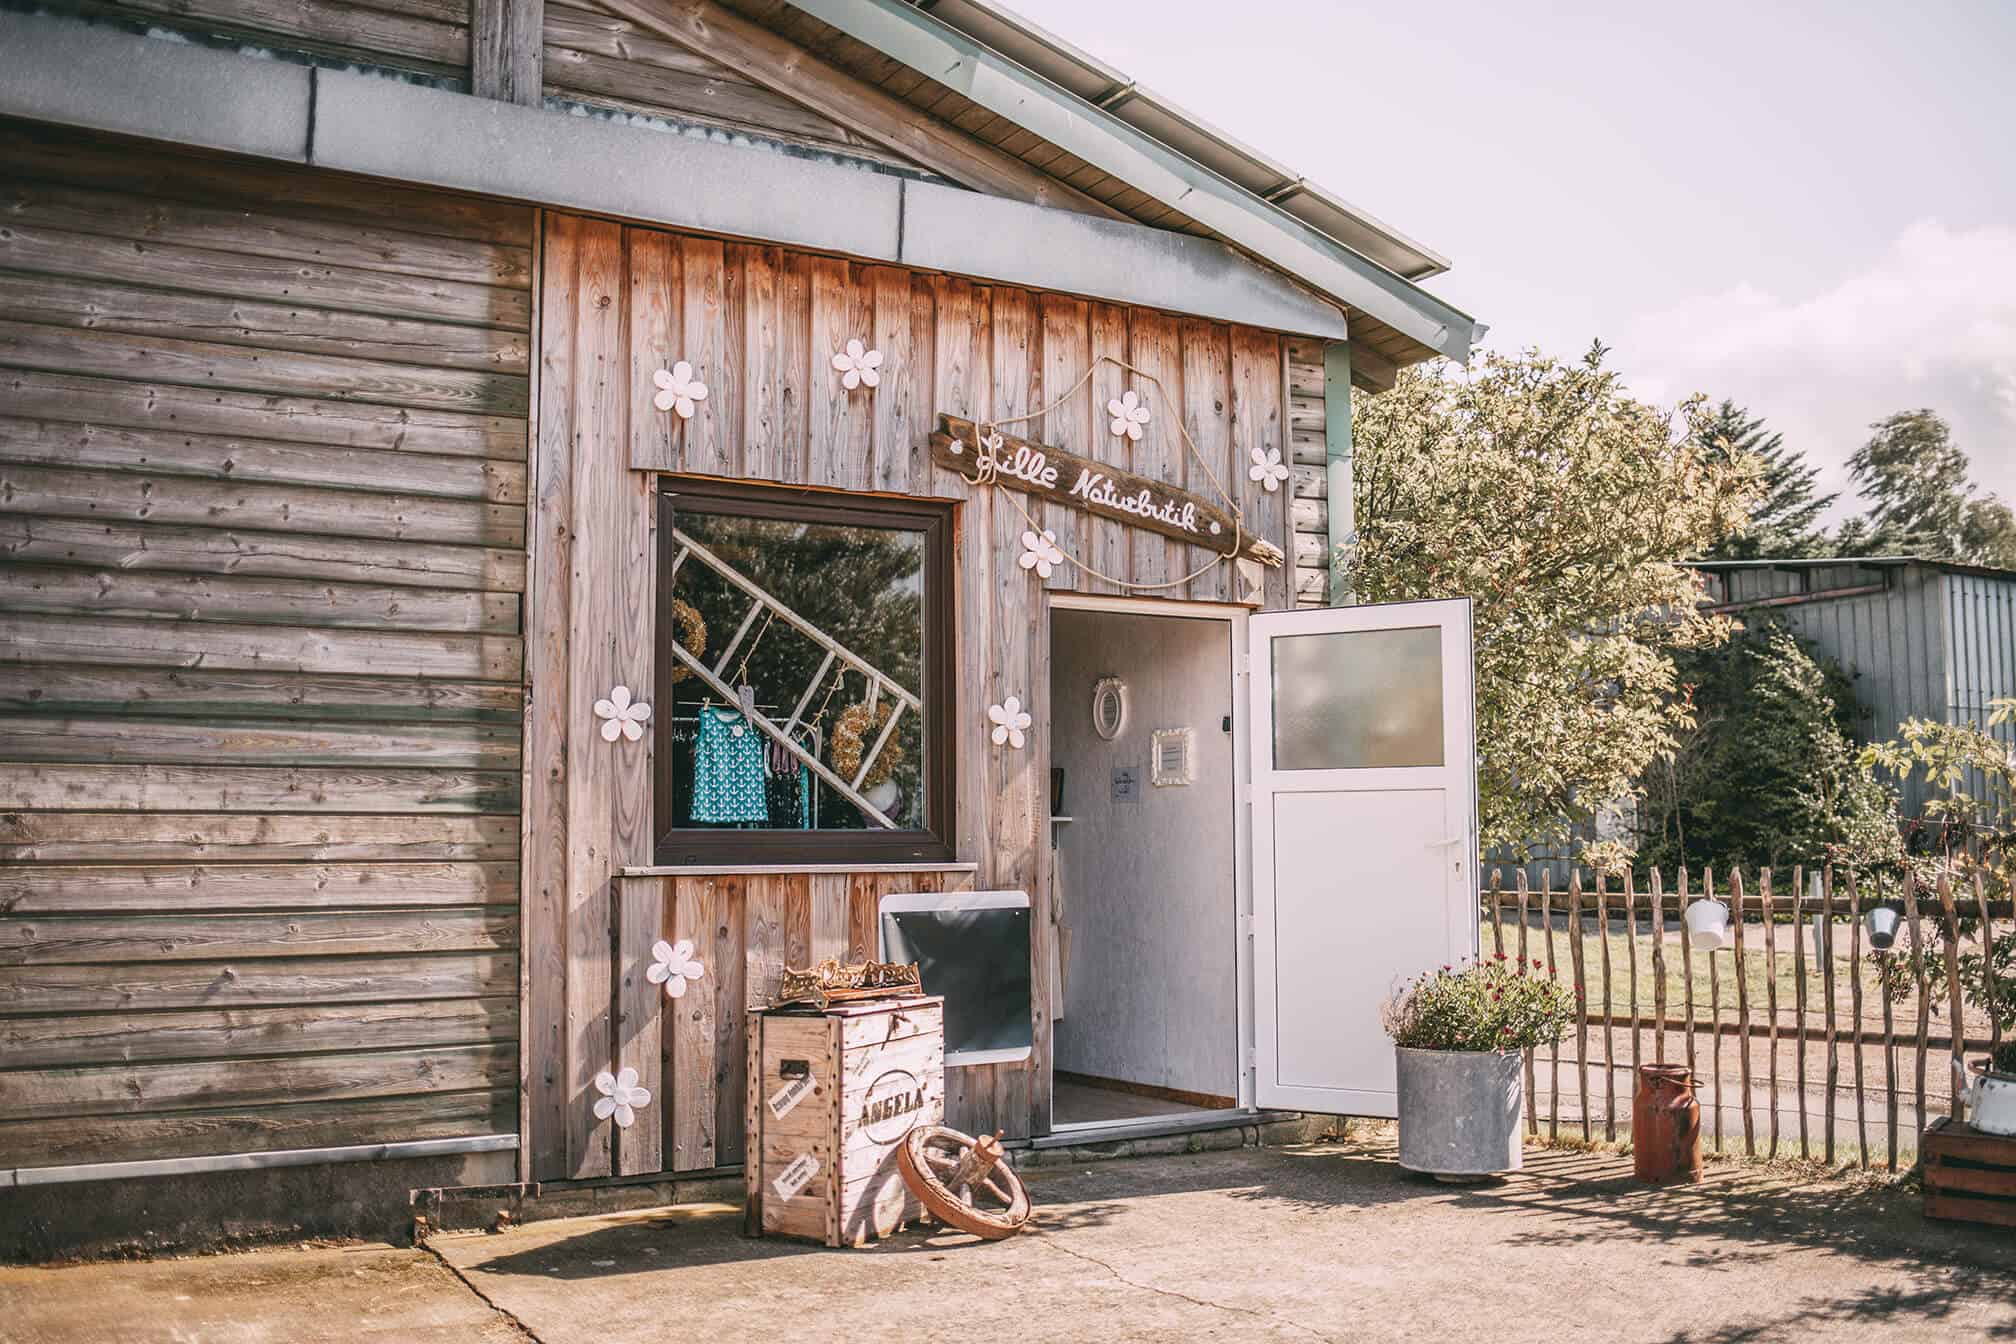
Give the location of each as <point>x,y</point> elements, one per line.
<point>760,326</point>
<point>427,36</point>
<point>1309,514</point>
<point>690,1052</point>
<point>262,526</point>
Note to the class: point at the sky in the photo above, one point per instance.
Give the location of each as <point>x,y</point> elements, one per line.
<point>1807,208</point>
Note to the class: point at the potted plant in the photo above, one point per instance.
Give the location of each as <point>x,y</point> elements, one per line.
<point>1458,1034</point>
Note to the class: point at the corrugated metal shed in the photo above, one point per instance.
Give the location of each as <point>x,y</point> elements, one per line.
<point>1923,639</point>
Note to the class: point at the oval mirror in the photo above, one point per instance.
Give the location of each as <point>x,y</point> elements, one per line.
<point>1109,707</point>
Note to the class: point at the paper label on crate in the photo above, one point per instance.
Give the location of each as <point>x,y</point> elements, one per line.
<point>788,1096</point>
<point>794,1177</point>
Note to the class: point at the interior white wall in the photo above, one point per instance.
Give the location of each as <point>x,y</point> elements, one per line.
<point>1151,984</point>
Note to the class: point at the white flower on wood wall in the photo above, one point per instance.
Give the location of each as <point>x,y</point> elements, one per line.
<point>858,366</point>
<point>621,1097</point>
<point>1010,723</point>
<point>1041,552</point>
<point>674,966</point>
<point>678,389</point>
<point>621,716</point>
<point>1268,468</point>
<point>1129,413</point>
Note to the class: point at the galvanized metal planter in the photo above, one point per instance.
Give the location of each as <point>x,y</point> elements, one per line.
<point>1459,1111</point>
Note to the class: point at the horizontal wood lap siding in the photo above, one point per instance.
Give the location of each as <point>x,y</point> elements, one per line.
<point>431,36</point>
<point>263,484</point>
<point>760,325</point>
<point>1309,453</point>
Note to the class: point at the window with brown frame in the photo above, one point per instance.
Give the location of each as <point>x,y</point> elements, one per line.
<point>804,664</point>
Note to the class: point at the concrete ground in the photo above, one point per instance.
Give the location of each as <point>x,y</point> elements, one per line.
<point>1328,1241</point>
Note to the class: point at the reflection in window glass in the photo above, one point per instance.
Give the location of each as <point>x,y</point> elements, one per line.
<point>864,588</point>
<point>1358,700</point>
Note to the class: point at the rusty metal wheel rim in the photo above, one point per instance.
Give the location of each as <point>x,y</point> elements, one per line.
<point>993,1206</point>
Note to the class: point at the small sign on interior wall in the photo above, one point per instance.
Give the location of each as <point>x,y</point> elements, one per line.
<point>1126,783</point>
<point>1175,757</point>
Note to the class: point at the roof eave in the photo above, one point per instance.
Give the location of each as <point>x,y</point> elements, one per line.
<point>1257,226</point>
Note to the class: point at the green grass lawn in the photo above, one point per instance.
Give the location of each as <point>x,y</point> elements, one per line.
<point>1757,973</point>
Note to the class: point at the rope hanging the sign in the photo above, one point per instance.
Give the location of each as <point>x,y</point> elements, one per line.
<point>986,454</point>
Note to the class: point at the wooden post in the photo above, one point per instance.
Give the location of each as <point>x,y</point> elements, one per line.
<point>1659,967</point>
<point>1743,1017</point>
<point>1526,968</point>
<point>1714,1009</point>
<point>1631,964</point>
<point>1575,955</point>
<point>1686,968</point>
<point>1497,922</point>
<point>1769,914</point>
<point>1989,991</point>
<point>1957,1026</point>
<point>1609,1016</point>
<point>1922,983</point>
<point>1827,997</point>
<point>1799,1004</point>
<point>1889,1052</point>
<point>1554,1050</point>
<point>1855,1014</point>
<point>506,47</point>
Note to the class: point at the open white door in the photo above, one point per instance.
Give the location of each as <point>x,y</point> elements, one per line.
<point>1364,794</point>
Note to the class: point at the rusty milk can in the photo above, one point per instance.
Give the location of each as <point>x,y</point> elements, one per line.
<point>1665,1125</point>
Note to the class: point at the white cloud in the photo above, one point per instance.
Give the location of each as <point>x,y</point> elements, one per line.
<point>1929,322</point>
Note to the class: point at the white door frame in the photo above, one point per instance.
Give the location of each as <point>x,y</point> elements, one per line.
<point>1235,617</point>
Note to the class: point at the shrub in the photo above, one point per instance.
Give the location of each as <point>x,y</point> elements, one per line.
<point>1494,1004</point>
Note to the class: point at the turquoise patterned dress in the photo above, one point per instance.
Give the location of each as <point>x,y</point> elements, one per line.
<point>729,780</point>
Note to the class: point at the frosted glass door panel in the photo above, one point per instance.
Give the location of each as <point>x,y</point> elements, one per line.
<point>1358,699</point>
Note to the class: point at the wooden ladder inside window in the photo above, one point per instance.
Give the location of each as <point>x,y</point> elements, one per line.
<point>878,681</point>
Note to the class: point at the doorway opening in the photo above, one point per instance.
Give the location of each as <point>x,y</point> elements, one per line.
<point>1148,995</point>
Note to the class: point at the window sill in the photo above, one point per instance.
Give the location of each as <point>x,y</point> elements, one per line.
<point>785,869</point>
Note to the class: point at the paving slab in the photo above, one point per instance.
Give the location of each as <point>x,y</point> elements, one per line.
<point>1325,1242</point>
<point>362,1294</point>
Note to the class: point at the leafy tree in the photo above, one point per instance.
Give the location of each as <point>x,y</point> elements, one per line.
<point>1767,773</point>
<point>1563,509</point>
<point>1922,503</point>
<point>1785,521</point>
<point>1967,836</point>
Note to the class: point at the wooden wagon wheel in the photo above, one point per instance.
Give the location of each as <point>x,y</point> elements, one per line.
<point>962,1181</point>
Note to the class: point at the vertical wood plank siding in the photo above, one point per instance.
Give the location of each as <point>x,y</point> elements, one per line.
<point>262,530</point>
<point>760,326</point>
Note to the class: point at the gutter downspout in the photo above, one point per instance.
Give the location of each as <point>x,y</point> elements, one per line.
<point>1337,468</point>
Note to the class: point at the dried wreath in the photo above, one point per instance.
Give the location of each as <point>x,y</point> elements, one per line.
<point>692,634</point>
<point>850,732</point>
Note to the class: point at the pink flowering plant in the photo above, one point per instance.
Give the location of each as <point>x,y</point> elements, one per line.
<point>1495,1004</point>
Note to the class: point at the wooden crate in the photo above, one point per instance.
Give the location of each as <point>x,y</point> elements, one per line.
<point>830,1094</point>
<point>1968,1175</point>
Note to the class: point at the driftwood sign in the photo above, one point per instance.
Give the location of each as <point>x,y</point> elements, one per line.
<point>1080,483</point>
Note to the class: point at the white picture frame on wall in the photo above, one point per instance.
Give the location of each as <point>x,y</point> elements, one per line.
<point>1173,758</point>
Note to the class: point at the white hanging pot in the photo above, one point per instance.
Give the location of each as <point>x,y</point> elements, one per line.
<point>1707,925</point>
<point>1882,925</point>
<point>1990,1102</point>
<point>884,796</point>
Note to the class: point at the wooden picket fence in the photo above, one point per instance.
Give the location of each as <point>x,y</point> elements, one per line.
<point>1812,1013</point>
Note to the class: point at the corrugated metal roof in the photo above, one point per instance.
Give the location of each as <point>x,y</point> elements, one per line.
<point>1149,112</point>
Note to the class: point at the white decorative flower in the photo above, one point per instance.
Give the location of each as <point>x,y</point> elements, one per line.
<point>678,389</point>
<point>858,365</point>
<point>1010,722</point>
<point>674,966</point>
<point>620,1097</point>
<point>1268,469</point>
<point>1129,414</point>
<point>621,717</point>
<point>1041,553</point>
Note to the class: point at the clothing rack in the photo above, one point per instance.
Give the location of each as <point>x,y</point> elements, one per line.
<point>878,682</point>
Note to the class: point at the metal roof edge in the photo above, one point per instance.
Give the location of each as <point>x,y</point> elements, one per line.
<point>1008,89</point>
<point>1867,561</point>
